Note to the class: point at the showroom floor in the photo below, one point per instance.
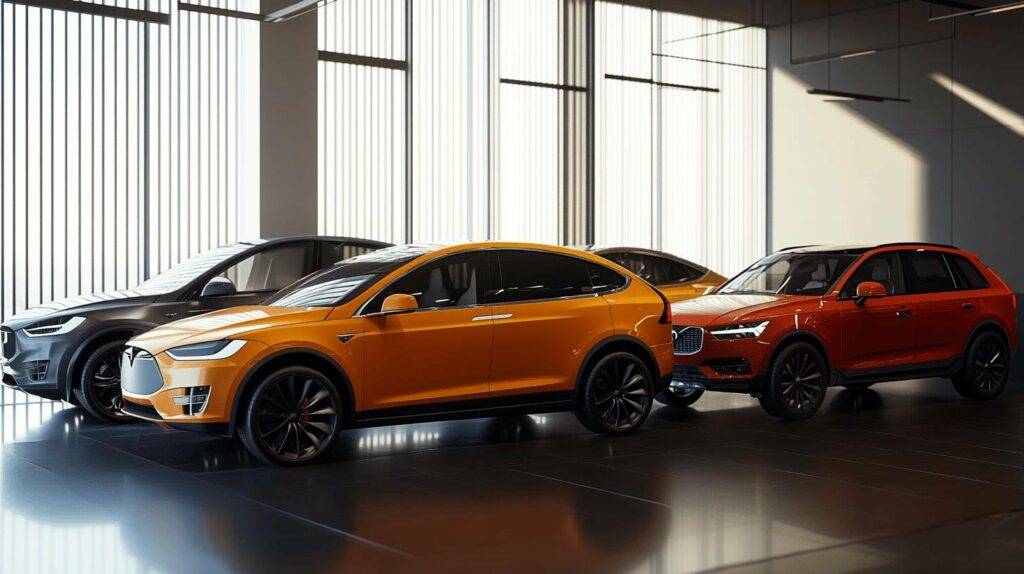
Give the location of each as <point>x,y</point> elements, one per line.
<point>904,475</point>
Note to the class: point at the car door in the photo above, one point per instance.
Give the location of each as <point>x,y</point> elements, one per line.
<point>259,276</point>
<point>546,319</point>
<point>935,307</point>
<point>878,333</point>
<point>440,352</point>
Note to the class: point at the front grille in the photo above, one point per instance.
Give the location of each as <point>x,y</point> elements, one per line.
<point>687,340</point>
<point>9,347</point>
<point>140,375</point>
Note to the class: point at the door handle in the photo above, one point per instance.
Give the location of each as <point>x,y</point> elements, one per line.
<point>904,312</point>
<point>492,317</point>
<point>967,307</point>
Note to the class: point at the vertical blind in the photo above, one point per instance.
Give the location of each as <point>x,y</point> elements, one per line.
<point>127,146</point>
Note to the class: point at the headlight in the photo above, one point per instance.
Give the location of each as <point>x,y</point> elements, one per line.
<point>209,351</point>
<point>58,326</point>
<point>740,331</point>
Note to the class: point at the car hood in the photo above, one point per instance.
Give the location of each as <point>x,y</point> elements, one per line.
<point>722,309</point>
<point>231,323</point>
<point>78,305</point>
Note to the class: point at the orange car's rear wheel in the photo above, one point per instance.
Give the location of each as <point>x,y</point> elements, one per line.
<point>616,394</point>
<point>292,417</point>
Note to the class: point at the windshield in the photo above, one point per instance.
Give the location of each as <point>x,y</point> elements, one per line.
<point>791,274</point>
<point>344,280</point>
<point>181,274</point>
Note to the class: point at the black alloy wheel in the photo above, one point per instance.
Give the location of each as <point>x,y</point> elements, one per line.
<point>796,384</point>
<point>99,389</point>
<point>617,395</point>
<point>679,397</point>
<point>292,417</point>
<point>985,369</point>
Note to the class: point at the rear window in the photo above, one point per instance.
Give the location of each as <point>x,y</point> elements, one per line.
<point>970,277</point>
<point>926,272</point>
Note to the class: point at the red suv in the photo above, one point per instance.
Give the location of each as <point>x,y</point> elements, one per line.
<point>805,318</point>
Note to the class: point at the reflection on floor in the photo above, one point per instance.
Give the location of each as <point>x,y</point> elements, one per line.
<point>900,476</point>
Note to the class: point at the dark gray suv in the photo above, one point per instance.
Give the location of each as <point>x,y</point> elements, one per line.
<point>70,349</point>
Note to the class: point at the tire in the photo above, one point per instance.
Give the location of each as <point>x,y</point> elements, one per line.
<point>615,397</point>
<point>986,368</point>
<point>681,398</point>
<point>278,426</point>
<point>98,388</point>
<point>796,384</point>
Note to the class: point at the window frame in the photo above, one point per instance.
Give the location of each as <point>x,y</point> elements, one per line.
<point>491,267</point>
<point>902,284</point>
<point>959,277</point>
<point>584,260</point>
<point>905,262</point>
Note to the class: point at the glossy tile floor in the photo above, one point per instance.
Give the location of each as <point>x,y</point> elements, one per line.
<point>902,476</point>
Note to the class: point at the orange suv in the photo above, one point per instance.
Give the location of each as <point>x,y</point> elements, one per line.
<point>407,334</point>
<point>805,318</point>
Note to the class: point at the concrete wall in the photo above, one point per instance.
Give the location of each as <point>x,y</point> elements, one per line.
<point>948,166</point>
<point>288,128</point>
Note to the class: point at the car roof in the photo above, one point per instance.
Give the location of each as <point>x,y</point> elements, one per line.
<point>861,249</point>
<point>603,249</point>
<point>286,238</point>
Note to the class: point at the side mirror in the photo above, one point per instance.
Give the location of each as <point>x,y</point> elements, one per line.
<point>218,287</point>
<point>869,290</point>
<point>398,303</point>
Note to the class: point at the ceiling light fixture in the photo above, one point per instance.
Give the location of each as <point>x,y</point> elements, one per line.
<point>980,11</point>
<point>838,95</point>
<point>833,56</point>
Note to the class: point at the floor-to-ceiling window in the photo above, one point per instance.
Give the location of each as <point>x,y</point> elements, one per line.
<point>680,135</point>
<point>128,143</point>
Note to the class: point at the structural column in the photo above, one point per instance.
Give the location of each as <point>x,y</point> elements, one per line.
<point>288,129</point>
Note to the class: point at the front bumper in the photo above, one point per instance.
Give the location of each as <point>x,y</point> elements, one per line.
<point>153,400</point>
<point>724,365</point>
<point>36,365</point>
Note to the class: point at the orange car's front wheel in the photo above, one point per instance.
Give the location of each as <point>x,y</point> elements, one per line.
<point>292,417</point>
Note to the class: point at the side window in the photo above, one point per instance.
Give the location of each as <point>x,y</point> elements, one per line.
<point>271,269</point>
<point>332,252</point>
<point>531,275</point>
<point>968,274</point>
<point>926,272</point>
<point>458,280</point>
<point>635,263</point>
<point>603,279</point>
<point>883,268</point>
<point>676,272</point>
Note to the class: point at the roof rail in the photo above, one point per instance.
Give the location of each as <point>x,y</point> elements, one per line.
<point>792,247</point>
<point>925,243</point>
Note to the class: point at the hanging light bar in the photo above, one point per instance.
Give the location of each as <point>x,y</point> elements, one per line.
<point>980,11</point>
<point>854,96</point>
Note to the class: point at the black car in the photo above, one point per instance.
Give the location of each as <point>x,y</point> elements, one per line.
<point>70,349</point>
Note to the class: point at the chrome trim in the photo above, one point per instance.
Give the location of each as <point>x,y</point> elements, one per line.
<point>492,317</point>
<point>677,334</point>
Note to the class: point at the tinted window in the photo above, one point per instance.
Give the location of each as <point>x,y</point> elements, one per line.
<point>970,277</point>
<point>790,273</point>
<point>884,268</point>
<point>456,281</point>
<point>332,252</point>
<point>635,263</point>
<point>926,272</point>
<point>603,279</point>
<point>528,275</point>
<point>271,269</point>
<point>339,283</point>
<point>671,271</point>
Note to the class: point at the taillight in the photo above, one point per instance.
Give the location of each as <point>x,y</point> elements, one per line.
<point>666,312</point>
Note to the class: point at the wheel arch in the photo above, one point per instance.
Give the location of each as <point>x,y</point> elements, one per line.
<point>302,357</point>
<point>610,345</point>
<point>987,326</point>
<point>72,369</point>
<point>799,336</point>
